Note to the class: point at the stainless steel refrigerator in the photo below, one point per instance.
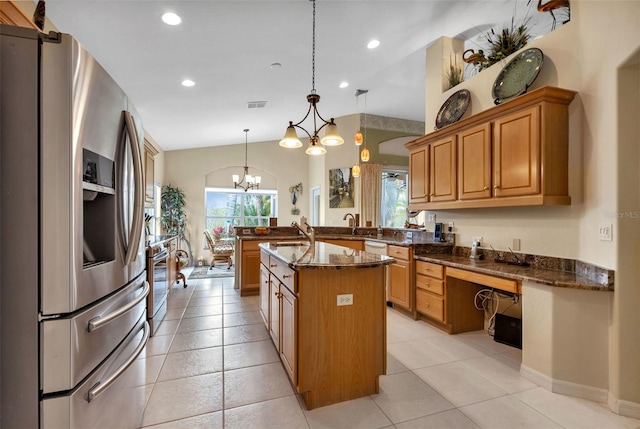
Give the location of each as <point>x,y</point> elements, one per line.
<point>72,268</point>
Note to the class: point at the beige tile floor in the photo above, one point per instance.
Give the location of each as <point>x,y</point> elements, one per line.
<point>212,365</point>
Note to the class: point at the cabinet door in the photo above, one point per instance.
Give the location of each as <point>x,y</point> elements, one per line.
<point>264,294</point>
<point>516,160</point>
<point>399,284</point>
<point>474,163</point>
<point>288,333</point>
<point>250,271</point>
<point>274,311</point>
<point>148,177</point>
<point>442,168</point>
<point>419,175</point>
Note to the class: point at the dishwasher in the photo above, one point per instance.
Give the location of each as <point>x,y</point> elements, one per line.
<point>380,249</point>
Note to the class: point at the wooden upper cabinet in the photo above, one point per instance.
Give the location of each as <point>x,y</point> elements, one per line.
<point>419,174</point>
<point>474,162</point>
<point>149,166</point>
<point>513,154</point>
<point>13,15</point>
<point>516,158</point>
<point>443,170</point>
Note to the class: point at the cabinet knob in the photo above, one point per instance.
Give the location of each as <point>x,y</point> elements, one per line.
<point>431,195</point>
<point>286,276</point>
<point>426,304</point>
<point>273,265</point>
<point>496,187</point>
<point>485,188</point>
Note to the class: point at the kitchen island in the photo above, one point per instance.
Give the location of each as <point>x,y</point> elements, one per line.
<point>325,308</point>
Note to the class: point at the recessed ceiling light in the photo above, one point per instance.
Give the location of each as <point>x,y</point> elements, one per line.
<point>275,65</point>
<point>344,84</point>
<point>171,18</point>
<point>373,44</point>
<point>188,82</point>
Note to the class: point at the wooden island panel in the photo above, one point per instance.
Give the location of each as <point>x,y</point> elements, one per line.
<point>341,349</point>
<point>330,351</point>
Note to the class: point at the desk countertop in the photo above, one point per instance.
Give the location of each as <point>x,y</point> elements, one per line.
<point>539,275</point>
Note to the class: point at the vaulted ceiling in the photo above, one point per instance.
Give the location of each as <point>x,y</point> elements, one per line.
<point>228,48</point>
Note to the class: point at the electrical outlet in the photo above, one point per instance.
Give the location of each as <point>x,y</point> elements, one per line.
<point>606,233</point>
<point>451,225</point>
<point>431,217</point>
<point>516,244</point>
<point>478,240</point>
<point>345,299</point>
<point>246,231</point>
<point>409,235</point>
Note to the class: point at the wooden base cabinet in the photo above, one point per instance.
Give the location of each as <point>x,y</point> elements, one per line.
<point>331,353</point>
<point>445,301</point>
<point>400,278</point>
<point>430,297</point>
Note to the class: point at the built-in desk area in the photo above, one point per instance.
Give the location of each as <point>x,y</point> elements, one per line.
<point>565,312</point>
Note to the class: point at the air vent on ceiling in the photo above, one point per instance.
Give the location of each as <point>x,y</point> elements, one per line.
<point>256,104</point>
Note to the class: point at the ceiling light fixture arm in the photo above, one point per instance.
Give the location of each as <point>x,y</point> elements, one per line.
<point>331,138</point>
<point>252,182</point>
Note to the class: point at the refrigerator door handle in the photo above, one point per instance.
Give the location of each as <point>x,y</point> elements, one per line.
<point>100,321</point>
<point>135,229</point>
<point>101,386</point>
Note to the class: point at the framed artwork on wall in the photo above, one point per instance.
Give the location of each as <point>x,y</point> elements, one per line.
<point>341,188</point>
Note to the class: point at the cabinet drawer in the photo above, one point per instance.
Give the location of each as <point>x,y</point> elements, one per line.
<point>285,274</point>
<point>430,284</point>
<point>429,269</point>
<point>399,252</point>
<point>430,305</point>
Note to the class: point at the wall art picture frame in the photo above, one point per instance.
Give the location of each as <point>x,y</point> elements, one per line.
<point>341,188</point>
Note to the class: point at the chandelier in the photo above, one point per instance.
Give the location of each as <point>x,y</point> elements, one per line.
<point>331,137</point>
<point>250,182</point>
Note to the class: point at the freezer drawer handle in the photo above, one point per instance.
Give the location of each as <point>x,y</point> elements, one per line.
<point>101,386</point>
<point>99,321</point>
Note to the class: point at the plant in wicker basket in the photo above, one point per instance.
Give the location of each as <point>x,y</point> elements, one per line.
<point>505,42</point>
<point>502,43</point>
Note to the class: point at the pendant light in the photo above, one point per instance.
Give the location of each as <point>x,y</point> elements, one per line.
<point>358,139</point>
<point>251,181</point>
<point>364,154</point>
<point>331,137</point>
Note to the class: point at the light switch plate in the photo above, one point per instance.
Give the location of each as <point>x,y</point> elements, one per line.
<point>431,217</point>
<point>516,245</point>
<point>606,233</point>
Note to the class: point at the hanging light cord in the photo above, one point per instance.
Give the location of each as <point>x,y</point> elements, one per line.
<point>246,165</point>
<point>365,119</point>
<point>313,51</point>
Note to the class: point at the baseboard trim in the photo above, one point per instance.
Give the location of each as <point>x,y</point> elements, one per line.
<point>536,377</point>
<point>568,388</point>
<point>624,408</point>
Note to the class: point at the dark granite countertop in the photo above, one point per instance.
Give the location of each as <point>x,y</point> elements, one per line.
<point>324,256</point>
<point>545,276</point>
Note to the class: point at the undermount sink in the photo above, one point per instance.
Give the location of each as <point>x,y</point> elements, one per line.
<point>291,243</point>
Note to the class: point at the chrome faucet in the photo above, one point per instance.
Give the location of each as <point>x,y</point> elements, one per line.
<point>353,219</point>
<point>310,233</point>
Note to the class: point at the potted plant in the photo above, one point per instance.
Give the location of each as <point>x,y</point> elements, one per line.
<point>174,217</point>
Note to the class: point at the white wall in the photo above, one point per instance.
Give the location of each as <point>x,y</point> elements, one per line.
<point>188,169</point>
<point>583,55</point>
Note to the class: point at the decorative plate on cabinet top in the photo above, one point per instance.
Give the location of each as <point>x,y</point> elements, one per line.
<point>516,77</point>
<point>453,108</point>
